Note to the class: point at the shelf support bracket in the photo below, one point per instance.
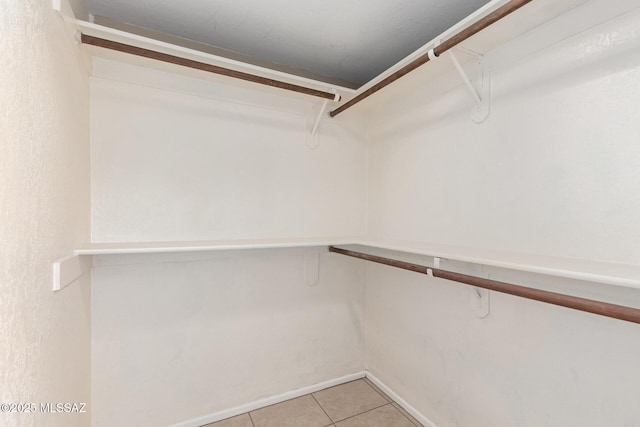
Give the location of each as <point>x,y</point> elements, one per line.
<point>481,303</point>
<point>311,268</point>
<point>68,270</point>
<point>480,96</point>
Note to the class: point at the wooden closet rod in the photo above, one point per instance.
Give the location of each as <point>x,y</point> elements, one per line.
<point>590,306</point>
<point>447,44</point>
<point>164,57</point>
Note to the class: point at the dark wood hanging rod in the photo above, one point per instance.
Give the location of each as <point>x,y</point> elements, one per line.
<point>172,59</point>
<point>444,46</point>
<point>590,306</point>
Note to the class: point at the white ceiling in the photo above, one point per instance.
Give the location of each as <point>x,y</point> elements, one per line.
<point>350,41</point>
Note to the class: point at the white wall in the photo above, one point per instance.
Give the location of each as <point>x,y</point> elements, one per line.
<point>176,158</point>
<point>555,170</point>
<point>181,337</point>
<point>44,213</point>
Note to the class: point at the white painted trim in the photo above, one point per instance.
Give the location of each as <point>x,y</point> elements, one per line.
<point>63,8</point>
<point>228,413</point>
<point>400,401</point>
<point>238,410</point>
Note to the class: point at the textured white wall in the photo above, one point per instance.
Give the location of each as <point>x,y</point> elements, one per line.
<point>555,170</point>
<point>175,158</point>
<point>44,213</point>
<point>180,336</point>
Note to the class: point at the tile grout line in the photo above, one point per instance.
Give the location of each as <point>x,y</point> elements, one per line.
<point>395,404</point>
<point>325,412</point>
<point>388,401</point>
<point>308,394</point>
<point>405,415</point>
<point>359,379</point>
<point>391,401</point>
<point>251,419</point>
<point>364,412</point>
<point>378,391</point>
<point>368,410</point>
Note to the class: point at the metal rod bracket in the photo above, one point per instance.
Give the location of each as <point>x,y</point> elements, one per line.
<point>482,298</point>
<point>480,96</point>
<point>320,114</point>
<point>481,302</point>
<point>312,140</point>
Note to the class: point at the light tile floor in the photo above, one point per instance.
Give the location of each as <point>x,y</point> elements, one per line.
<point>354,404</point>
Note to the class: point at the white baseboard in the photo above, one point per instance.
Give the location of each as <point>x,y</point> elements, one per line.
<point>228,413</point>
<point>400,401</point>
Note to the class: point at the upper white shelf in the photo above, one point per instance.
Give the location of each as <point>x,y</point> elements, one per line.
<point>91,29</point>
<point>206,245</point>
<point>611,273</point>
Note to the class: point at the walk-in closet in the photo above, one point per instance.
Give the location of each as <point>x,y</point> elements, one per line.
<point>223,214</point>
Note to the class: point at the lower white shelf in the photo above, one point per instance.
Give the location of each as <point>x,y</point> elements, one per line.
<point>611,273</point>
<point>618,274</point>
